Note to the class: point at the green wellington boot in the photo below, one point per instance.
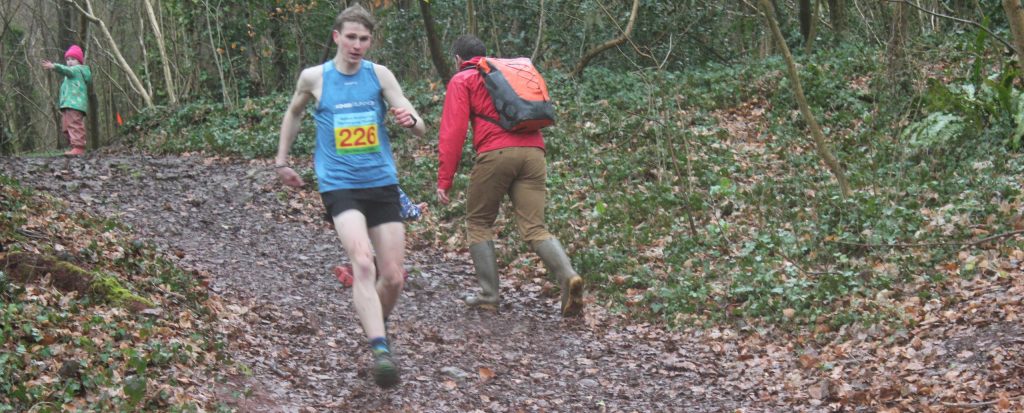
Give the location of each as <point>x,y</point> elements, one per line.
<point>486,263</point>
<point>553,255</point>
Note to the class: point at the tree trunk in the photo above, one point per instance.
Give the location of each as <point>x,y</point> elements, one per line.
<point>819,138</point>
<point>17,132</point>
<point>165,62</point>
<point>300,41</point>
<point>434,43</point>
<point>330,48</point>
<point>495,28</point>
<point>144,53</point>
<point>134,81</point>
<point>837,15</point>
<point>93,118</point>
<point>282,76</point>
<point>254,62</point>
<point>471,17</point>
<point>780,18</point>
<point>592,53</point>
<point>66,26</point>
<point>1015,14</point>
<point>805,19</point>
<point>27,133</point>
<point>66,37</point>
<point>6,140</point>
<point>897,66</point>
<point>216,57</point>
<point>813,33</point>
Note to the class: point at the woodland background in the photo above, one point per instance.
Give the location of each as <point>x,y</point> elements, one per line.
<point>147,53</point>
<point>843,175</point>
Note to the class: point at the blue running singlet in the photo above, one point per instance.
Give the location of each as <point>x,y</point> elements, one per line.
<point>352,147</point>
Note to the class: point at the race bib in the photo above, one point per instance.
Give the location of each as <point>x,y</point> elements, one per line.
<point>356,133</point>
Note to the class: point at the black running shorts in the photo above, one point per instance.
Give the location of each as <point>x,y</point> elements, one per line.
<point>379,205</point>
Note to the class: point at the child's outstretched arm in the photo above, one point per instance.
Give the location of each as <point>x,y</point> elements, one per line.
<point>68,71</point>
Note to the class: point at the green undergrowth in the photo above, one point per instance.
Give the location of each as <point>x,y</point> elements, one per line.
<point>93,320</point>
<point>698,197</point>
<point>249,129</point>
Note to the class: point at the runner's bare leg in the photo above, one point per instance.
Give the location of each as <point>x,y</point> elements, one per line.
<point>351,228</point>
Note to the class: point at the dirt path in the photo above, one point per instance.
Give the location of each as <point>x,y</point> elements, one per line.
<point>291,322</point>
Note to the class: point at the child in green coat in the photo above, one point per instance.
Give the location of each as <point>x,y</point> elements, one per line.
<point>74,101</point>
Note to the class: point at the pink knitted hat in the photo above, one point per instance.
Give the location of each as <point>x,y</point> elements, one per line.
<point>75,52</point>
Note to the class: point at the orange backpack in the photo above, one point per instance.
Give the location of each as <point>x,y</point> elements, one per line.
<point>519,94</point>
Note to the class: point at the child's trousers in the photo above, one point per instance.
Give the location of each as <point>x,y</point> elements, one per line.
<point>73,127</point>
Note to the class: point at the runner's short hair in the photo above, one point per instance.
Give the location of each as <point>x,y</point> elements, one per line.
<point>468,46</point>
<point>354,14</point>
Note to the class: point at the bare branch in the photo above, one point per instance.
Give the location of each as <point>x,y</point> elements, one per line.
<point>111,81</point>
<point>978,405</point>
<point>84,13</point>
<point>817,135</point>
<point>856,6</point>
<point>540,33</point>
<point>959,20</point>
<point>667,54</point>
<point>609,44</point>
<point>933,244</point>
<point>164,60</point>
<point>134,81</point>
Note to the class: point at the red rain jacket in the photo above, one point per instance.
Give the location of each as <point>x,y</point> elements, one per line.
<point>467,95</point>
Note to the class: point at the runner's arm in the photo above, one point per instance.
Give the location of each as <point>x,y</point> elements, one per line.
<point>403,111</point>
<point>293,116</point>
<point>290,128</point>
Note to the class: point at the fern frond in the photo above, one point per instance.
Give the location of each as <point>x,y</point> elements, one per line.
<point>936,129</point>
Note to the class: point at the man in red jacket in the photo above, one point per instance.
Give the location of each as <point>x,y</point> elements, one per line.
<point>506,163</point>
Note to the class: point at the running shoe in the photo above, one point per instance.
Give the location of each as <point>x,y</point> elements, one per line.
<point>385,370</point>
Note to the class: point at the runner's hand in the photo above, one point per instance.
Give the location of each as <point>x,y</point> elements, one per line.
<point>290,177</point>
<point>442,195</point>
<point>403,117</point>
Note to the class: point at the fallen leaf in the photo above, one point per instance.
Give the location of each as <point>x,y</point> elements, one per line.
<point>818,392</point>
<point>808,361</point>
<point>486,374</point>
<point>1004,402</point>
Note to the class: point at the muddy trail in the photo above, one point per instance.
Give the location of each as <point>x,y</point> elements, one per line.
<point>268,257</point>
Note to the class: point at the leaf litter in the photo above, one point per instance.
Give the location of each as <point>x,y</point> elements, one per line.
<point>265,255</point>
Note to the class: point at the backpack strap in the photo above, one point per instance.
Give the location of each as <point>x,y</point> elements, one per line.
<point>477,115</point>
<point>487,118</point>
